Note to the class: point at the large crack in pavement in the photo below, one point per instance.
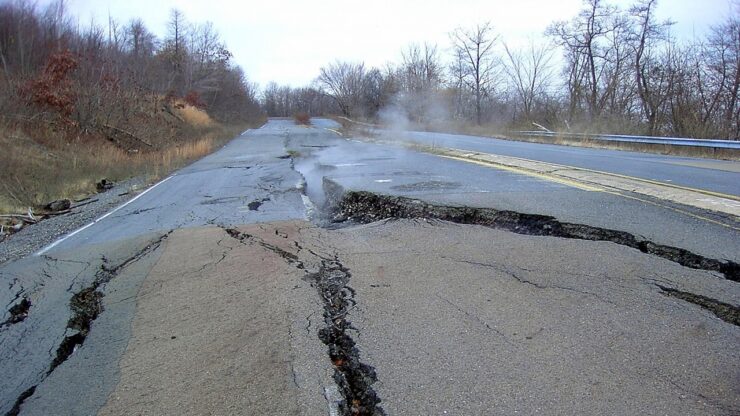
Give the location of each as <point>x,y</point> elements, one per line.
<point>290,258</point>
<point>86,305</point>
<point>354,378</point>
<point>724,311</point>
<point>366,207</point>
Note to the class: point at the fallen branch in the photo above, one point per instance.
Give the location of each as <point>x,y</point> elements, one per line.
<point>85,203</point>
<point>21,217</point>
<point>166,108</point>
<point>66,211</point>
<point>541,127</point>
<point>129,134</point>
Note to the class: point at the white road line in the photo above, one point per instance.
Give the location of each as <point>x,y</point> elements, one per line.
<point>54,244</point>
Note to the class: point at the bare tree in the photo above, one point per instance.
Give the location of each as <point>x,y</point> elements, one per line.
<point>593,53</point>
<point>208,59</point>
<point>456,81</point>
<point>141,43</point>
<point>650,78</point>
<point>420,68</point>
<point>476,45</point>
<point>344,82</point>
<point>420,76</point>
<point>530,74</point>
<point>176,48</point>
<point>721,85</point>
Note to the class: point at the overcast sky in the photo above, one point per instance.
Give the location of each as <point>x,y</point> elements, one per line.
<point>288,41</point>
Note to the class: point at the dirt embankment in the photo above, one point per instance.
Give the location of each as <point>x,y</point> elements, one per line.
<point>46,162</point>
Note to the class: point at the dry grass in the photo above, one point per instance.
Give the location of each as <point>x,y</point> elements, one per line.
<point>37,170</point>
<point>302,118</point>
<point>194,116</point>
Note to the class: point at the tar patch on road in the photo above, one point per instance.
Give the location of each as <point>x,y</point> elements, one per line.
<point>18,312</point>
<point>256,204</point>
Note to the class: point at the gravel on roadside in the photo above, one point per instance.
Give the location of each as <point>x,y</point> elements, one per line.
<point>34,237</point>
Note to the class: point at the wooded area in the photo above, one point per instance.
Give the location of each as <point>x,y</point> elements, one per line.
<point>114,77</point>
<point>81,103</point>
<point>606,70</point>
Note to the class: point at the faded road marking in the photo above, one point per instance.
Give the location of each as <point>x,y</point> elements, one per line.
<point>527,172</point>
<point>79,230</point>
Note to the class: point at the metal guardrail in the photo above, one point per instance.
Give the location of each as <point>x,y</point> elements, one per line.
<point>724,144</point>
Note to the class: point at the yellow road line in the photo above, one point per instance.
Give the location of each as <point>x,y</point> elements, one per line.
<point>526,172</point>
<point>469,157</point>
<point>584,186</point>
<point>618,175</point>
<point>674,209</point>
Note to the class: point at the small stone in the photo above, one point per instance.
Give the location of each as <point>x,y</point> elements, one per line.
<point>104,185</point>
<point>58,205</point>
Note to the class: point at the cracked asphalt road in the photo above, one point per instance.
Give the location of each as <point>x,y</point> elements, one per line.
<point>228,289</point>
<point>456,323</point>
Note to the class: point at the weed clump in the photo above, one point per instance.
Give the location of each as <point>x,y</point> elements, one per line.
<point>302,118</point>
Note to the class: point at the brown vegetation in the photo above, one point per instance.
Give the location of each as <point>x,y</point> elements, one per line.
<point>302,117</point>
<point>37,167</point>
<point>81,104</point>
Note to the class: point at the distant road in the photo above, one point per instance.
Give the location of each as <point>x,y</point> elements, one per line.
<point>713,175</point>
<point>727,144</point>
